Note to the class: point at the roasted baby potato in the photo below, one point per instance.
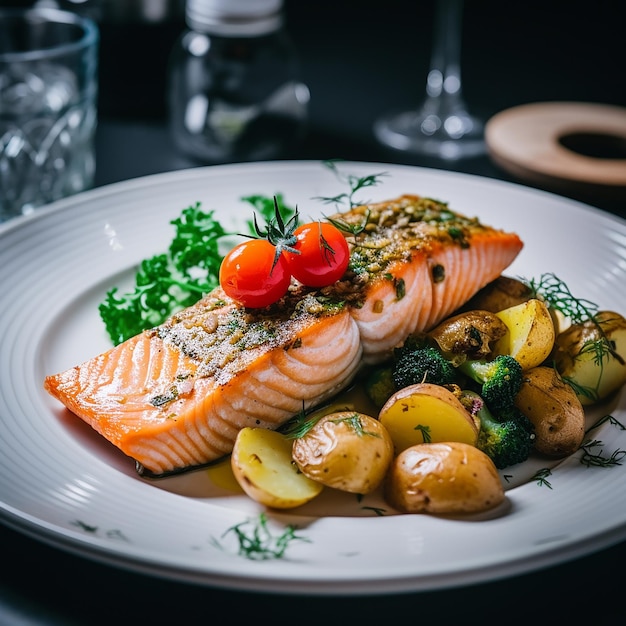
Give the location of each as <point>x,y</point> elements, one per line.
<point>262,464</point>
<point>594,371</point>
<point>446,477</point>
<point>530,336</point>
<point>555,411</point>
<point>349,451</point>
<point>426,413</point>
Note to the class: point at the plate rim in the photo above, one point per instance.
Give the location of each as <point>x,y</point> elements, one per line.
<point>88,550</point>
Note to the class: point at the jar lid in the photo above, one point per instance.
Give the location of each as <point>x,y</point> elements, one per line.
<point>235,18</point>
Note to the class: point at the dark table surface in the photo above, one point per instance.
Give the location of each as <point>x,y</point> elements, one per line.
<point>359,63</point>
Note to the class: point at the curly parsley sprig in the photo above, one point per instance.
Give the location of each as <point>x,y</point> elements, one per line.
<point>168,282</point>
<point>178,278</point>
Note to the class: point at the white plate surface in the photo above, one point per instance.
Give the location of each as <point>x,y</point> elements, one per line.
<point>66,486</point>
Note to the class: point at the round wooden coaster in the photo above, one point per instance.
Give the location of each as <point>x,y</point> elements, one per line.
<point>576,147</point>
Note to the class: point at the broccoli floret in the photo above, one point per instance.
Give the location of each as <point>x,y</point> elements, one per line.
<point>506,438</point>
<point>421,364</point>
<point>500,379</point>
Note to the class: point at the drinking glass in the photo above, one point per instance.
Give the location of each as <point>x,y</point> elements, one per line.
<point>48,91</point>
<point>441,127</point>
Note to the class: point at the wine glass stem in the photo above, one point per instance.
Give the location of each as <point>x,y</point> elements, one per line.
<point>440,126</point>
<point>443,85</point>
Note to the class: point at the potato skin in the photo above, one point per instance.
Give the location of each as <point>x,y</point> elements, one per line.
<point>531,333</point>
<point>580,365</point>
<point>443,478</point>
<point>428,405</point>
<point>338,455</point>
<point>468,335</point>
<point>262,465</point>
<point>502,293</point>
<point>555,411</point>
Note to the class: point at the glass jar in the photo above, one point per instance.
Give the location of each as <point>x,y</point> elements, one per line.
<point>234,91</point>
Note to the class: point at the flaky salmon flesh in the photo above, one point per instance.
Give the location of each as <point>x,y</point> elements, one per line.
<point>175,396</point>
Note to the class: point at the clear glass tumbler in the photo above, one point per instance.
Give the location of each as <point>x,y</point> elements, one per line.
<point>48,107</point>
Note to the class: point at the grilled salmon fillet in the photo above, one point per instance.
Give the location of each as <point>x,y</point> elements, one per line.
<point>175,396</point>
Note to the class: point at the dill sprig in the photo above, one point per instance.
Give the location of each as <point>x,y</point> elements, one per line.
<point>356,184</point>
<point>351,229</point>
<point>541,477</point>
<point>606,418</point>
<point>593,458</point>
<point>602,347</point>
<point>300,424</point>
<point>355,423</point>
<point>558,296</point>
<point>256,541</point>
<point>377,510</point>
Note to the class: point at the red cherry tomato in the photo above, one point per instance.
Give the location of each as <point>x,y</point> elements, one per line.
<point>324,254</point>
<point>248,274</point>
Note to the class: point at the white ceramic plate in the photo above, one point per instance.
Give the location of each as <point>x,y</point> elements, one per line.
<point>63,484</point>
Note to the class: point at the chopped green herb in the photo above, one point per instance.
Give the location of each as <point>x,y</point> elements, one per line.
<point>458,235</point>
<point>165,398</point>
<point>438,273</point>
<point>400,287</point>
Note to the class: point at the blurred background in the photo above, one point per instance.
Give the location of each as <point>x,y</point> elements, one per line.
<point>361,60</point>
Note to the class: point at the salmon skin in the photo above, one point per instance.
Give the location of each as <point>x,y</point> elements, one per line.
<point>175,396</point>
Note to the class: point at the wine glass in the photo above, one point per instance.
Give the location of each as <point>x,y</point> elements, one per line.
<point>442,127</point>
